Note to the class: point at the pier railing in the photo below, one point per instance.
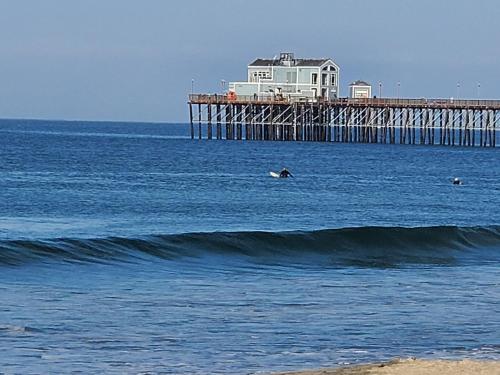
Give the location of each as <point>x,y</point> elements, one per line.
<point>372,102</point>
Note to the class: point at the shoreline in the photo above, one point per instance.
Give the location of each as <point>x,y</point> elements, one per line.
<point>411,366</point>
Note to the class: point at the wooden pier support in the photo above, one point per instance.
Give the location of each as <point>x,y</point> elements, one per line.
<point>464,123</point>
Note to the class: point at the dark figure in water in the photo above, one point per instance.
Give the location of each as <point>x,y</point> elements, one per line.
<point>285,173</point>
<point>457,181</point>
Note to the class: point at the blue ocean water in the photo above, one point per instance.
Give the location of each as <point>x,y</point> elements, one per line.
<point>130,248</point>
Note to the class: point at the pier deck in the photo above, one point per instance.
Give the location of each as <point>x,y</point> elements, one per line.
<point>375,120</point>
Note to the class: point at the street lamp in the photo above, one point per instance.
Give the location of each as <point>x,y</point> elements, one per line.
<point>398,87</point>
<point>458,90</point>
<point>223,84</point>
<point>192,86</point>
<point>478,89</point>
<point>380,89</point>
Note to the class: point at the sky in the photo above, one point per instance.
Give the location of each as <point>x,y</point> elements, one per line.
<point>130,60</point>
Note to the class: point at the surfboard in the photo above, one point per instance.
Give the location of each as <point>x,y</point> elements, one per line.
<point>274,174</point>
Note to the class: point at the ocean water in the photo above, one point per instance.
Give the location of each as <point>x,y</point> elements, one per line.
<point>132,249</point>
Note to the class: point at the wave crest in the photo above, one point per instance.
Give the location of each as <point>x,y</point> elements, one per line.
<point>364,246</point>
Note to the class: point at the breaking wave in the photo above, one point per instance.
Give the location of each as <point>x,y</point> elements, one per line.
<point>362,247</point>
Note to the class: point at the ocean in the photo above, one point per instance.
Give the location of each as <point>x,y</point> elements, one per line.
<point>128,248</point>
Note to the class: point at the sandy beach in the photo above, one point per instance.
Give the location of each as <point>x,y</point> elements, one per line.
<point>413,367</point>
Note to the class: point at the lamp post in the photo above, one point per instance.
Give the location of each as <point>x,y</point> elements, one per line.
<point>398,87</point>
<point>478,89</point>
<point>458,90</point>
<point>380,89</point>
<point>192,86</point>
<point>223,85</point>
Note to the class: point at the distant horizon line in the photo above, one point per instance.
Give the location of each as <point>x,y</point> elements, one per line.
<point>96,121</point>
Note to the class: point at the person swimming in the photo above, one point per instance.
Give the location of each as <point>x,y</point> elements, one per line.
<point>457,181</point>
<point>285,173</point>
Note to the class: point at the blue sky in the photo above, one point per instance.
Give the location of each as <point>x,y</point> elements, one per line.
<point>134,60</point>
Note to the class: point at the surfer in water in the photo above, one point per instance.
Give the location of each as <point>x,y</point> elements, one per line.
<point>457,181</point>
<point>285,173</point>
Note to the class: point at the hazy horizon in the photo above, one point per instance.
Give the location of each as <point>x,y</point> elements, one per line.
<point>120,61</point>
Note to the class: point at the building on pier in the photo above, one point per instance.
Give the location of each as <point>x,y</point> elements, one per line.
<point>360,90</point>
<point>289,78</point>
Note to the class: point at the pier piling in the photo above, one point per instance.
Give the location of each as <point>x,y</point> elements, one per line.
<point>466,123</point>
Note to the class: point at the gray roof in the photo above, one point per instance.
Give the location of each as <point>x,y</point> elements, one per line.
<point>295,62</point>
<point>360,83</point>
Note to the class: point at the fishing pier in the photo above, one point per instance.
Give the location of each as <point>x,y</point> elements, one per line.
<point>348,120</point>
<point>294,99</point>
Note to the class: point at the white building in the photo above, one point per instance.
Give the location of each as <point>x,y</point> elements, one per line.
<point>360,90</point>
<point>290,78</point>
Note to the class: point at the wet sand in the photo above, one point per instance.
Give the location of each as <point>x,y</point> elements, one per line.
<point>413,367</point>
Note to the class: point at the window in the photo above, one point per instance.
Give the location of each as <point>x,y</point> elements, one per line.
<point>291,77</point>
<point>314,78</point>
<point>324,79</point>
<point>262,75</point>
<point>333,80</point>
